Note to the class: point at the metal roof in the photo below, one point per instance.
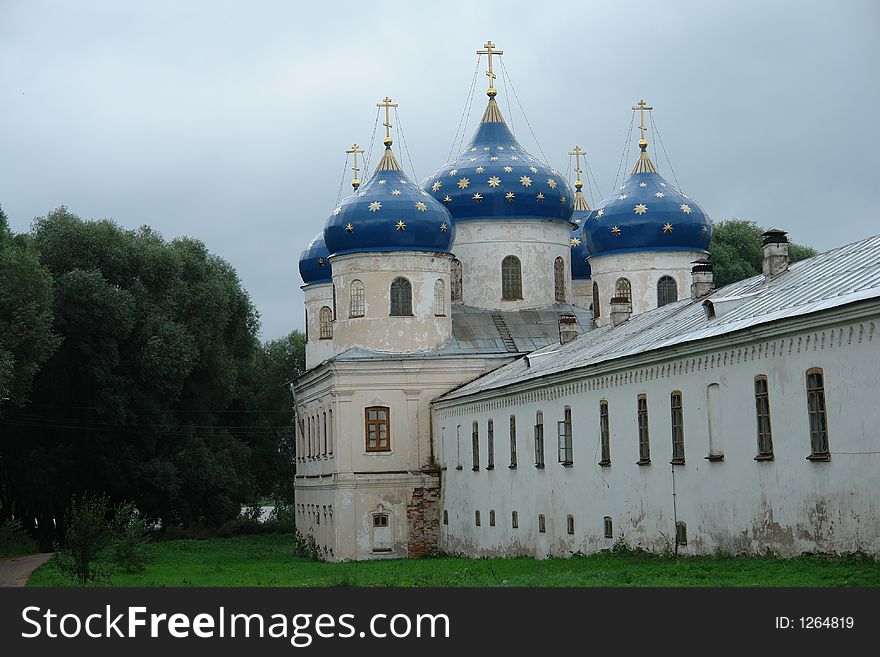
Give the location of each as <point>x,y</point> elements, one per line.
<point>841,276</point>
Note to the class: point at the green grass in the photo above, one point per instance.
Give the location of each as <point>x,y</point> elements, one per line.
<point>269,560</point>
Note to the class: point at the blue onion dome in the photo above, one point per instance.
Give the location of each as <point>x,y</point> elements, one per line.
<point>389,213</point>
<point>495,178</point>
<point>580,266</point>
<point>314,262</point>
<point>646,214</point>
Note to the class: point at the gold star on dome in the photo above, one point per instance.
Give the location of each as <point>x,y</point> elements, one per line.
<point>463,183</point>
<point>501,148</point>
<point>577,221</point>
<point>562,200</point>
<point>513,148</point>
<point>473,159</point>
<point>382,182</point>
<point>421,207</point>
<point>705,229</point>
<point>375,206</point>
<point>533,170</point>
<point>509,196</point>
<point>552,183</point>
<point>436,186</point>
<point>600,213</point>
<point>479,170</point>
<point>395,192</point>
<point>443,228</point>
<point>362,194</point>
<point>539,196</point>
<point>493,158</point>
<point>514,157</point>
<point>320,262</point>
<point>643,184</point>
<point>453,172</point>
<point>478,197</point>
<point>400,225</point>
<point>402,181</point>
<point>641,208</point>
<point>508,169</point>
<point>684,196</point>
<point>685,208</point>
<point>494,181</point>
<point>447,199</point>
<point>661,184</point>
<point>486,148</point>
<point>659,194</point>
<point>337,210</point>
<point>667,228</point>
<point>622,197</point>
<point>349,228</point>
<point>473,149</point>
<point>574,241</point>
<point>615,230</point>
<point>525,181</point>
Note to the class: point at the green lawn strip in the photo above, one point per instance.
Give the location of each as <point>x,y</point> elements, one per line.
<point>270,560</point>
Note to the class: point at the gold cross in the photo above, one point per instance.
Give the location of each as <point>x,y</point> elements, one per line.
<point>387,104</point>
<point>490,50</point>
<point>577,152</point>
<point>642,106</point>
<point>355,150</point>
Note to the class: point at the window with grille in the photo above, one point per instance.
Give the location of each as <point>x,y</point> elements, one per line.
<point>816,410</point>
<point>667,291</point>
<point>492,518</point>
<point>569,524</point>
<point>565,441</point>
<point>539,440</point>
<point>356,297</point>
<point>475,445</point>
<point>762,412</point>
<point>456,282</point>
<point>677,428</point>
<point>514,520</point>
<point>490,445</point>
<point>440,298</point>
<point>380,520</point>
<point>325,319</point>
<point>542,523</point>
<point>559,279</point>
<point>376,419</point>
<point>511,279</point>
<point>596,312</point>
<point>608,527</point>
<point>622,288</point>
<point>512,441</point>
<point>644,437</point>
<point>604,434</point>
<point>401,297</point>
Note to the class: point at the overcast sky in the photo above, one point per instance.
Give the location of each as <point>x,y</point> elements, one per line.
<point>228,121</point>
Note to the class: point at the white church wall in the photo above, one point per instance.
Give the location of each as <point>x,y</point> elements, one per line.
<point>789,505</point>
<point>317,296</point>
<point>582,293</point>
<point>482,245</point>
<point>643,269</point>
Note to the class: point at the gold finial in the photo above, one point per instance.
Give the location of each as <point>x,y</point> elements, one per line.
<point>578,153</point>
<point>642,106</point>
<point>490,50</point>
<point>354,150</point>
<point>387,104</point>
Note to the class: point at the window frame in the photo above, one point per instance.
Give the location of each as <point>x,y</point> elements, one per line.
<point>564,434</point>
<point>439,298</point>
<point>676,414</point>
<point>512,434</point>
<point>475,445</point>
<point>667,290</point>
<point>511,279</point>
<point>559,292</point>
<point>456,282</point>
<point>357,299</point>
<point>400,295</point>
<point>378,423</point>
<point>490,444</point>
<point>539,439</point>
<point>817,414</point>
<point>569,524</point>
<point>597,308</point>
<point>604,434</point>
<point>644,430</point>
<point>514,519</point>
<point>325,323</point>
<point>764,425</point>
<point>623,288</point>
<point>542,524</point>
<point>608,527</point>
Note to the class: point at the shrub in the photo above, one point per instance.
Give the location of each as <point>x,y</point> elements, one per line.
<point>14,540</point>
<point>129,540</point>
<point>88,533</point>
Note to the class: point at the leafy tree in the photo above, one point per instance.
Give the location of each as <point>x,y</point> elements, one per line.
<point>737,252</point>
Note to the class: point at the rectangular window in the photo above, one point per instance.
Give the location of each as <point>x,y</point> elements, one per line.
<point>378,433</point>
<point>762,411</point>
<point>330,423</point>
<point>539,440</point>
<point>512,441</point>
<point>569,524</point>
<point>324,422</point>
<point>542,524</point>
<point>514,520</point>
<point>564,434</point>
<point>681,533</point>
<point>644,438</point>
<point>677,429</point>
<point>475,445</point>
<point>492,518</point>
<point>818,418</point>
<point>477,518</point>
<point>490,446</point>
<point>604,434</point>
<point>380,520</point>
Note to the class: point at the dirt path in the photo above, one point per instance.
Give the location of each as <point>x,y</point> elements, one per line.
<point>15,571</point>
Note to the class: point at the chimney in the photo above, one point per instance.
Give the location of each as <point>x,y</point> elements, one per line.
<point>568,328</point>
<point>775,252</point>
<point>702,278</point>
<point>621,309</point>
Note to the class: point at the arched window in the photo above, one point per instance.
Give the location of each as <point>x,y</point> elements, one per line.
<point>677,428</point>
<point>595,300</point>
<point>445,517</point>
<point>542,524</point>
<point>559,279</point>
<point>325,318</point>
<point>667,291</point>
<point>492,518</point>
<point>622,288</point>
<point>609,531</point>
<point>356,299</point>
<point>511,279</point>
<point>457,292</point>
<point>569,524</point>
<point>439,298</point>
<point>401,297</point>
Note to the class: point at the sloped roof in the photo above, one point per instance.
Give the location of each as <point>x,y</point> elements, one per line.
<point>835,278</point>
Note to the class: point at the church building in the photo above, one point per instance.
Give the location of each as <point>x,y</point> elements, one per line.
<point>495,368</point>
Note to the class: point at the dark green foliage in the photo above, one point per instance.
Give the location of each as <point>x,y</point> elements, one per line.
<point>737,253</point>
<point>14,541</point>
<point>129,538</point>
<point>88,533</point>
